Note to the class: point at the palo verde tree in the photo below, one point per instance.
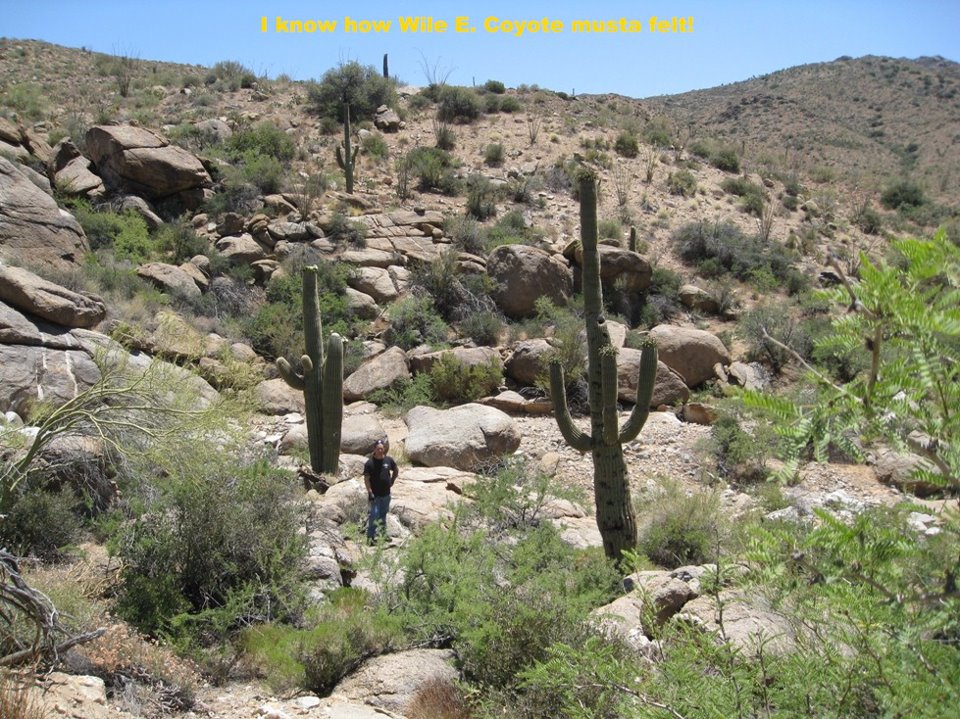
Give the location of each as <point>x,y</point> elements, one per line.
<point>321,381</point>
<point>615,517</point>
<point>905,316</point>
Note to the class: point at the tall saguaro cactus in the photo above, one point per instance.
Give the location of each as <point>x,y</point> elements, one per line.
<point>347,158</point>
<point>611,489</point>
<point>321,382</point>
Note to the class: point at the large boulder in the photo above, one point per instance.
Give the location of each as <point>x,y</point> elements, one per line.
<point>143,162</point>
<point>467,437</point>
<point>32,294</point>
<point>668,387</point>
<point>377,373</point>
<point>691,353</point>
<point>72,171</point>
<point>376,282</point>
<point>523,275</point>
<point>617,265</point>
<point>32,227</point>
<point>528,363</point>
<point>391,681</point>
<point>169,279</point>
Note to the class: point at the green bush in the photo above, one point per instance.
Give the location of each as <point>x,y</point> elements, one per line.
<point>682,529</point>
<point>458,104</point>
<point>373,145</point>
<point>726,159</point>
<point>719,248</point>
<point>493,154</point>
<point>483,327</point>
<point>41,523</point>
<point>627,144</point>
<point>179,241</point>
<point>264,139</point>
<point>125,233</point>
<point>230,75</point>
<point>465,232</point>
<point>455,382</point>
<point>224,539</point>
<point>434,169</point>
<point>683,183</point>
<point>481,197</point>
<point>415,321</point>
<point>903,195</point>
<point>362,87</point>
<point>494,86</point>
<point>771,320</point>
<point>510,104</point>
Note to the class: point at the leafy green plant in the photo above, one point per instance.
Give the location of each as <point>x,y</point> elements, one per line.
<point>627,144</point>
<point>361,87</point>
<point>264,139</point>
<point>907,316</point>
<point>682,529</point>
<point>456,382</point>
<point>221,547</point>
<point>415,321</point>
<point>682,182</point>
<point>458,104</point>
<point>493,154</point>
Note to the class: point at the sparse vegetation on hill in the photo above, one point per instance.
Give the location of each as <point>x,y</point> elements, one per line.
<point>785,226</point>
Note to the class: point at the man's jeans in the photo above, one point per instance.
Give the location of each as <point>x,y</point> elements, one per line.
<point>378,516</point>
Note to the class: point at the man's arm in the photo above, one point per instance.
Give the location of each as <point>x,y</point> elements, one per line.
<point>394,471</point>
<point>366,481</point>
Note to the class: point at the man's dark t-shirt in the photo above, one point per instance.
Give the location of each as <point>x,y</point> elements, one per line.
<point>380,472</point>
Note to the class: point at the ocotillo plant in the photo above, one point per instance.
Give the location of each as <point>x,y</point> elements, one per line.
<point>347,158</point>
<point>611,489</point>
<point>321,382</point>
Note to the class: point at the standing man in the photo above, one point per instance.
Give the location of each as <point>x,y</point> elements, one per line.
<point>379,474</point>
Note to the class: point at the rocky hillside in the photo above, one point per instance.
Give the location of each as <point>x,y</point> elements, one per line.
<point>155,218</point>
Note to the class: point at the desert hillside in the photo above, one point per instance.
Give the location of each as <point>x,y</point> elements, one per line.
<point>671,384</point>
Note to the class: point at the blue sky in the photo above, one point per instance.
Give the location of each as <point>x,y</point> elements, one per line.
<point>730,41</point>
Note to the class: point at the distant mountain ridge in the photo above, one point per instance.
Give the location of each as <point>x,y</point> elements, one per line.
<point>869,119</point>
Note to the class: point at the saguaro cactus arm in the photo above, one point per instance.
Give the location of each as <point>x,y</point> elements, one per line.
<point>647,378</point>
<point>575,437</point>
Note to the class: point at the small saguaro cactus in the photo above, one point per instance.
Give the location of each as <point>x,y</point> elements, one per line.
<point>347,158</point>
<point>632,244</point>
<point>615,517</point>
<point>321,382</point>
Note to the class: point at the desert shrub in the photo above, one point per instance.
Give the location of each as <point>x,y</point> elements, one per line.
<point>342,229</point>
<point>362,87</point>
<point>179,241</point>
<point>726,159</point>
<point>510,104</point>
<point>658,132</point>
<point>682,529</point>
<point>510,229</point>
<point>26,98</point>
<point>465,232</point>
<point>218,545</point>
<point>373,145</point>
<point>456,382</point>
<point>719,248</point>
<point>275,328</point>
<point>264,139</point>
<point>765,320</point>
<point>434,169</point>
<point>481,197</point>
<point>403,395</point>
<point>493,154</point>
<point>741,454</point>
<point>230,75</point>
<point>495,86</point>
<point>454,296</point>
<point>904,194</point>
<point>627,144</point>
<point>41,522</point>
<point>458,104</point>
<point>483,327</point>
<point>331,643</point>
<point>610,229</point>
<point>869,221</point>
<point>415,321</point>
<point>125,233</point>
<point>682,182</point>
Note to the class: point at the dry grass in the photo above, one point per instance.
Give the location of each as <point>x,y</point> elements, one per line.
<point>438,699</point>
<point>17,701</point>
